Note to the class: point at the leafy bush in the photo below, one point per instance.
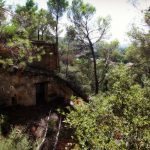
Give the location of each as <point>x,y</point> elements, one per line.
<point>3,123</point>
<point>117,120</point>
<point>15,141</point>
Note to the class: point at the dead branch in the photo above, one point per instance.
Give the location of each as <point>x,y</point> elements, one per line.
<point>57,135</point>
<point>44,138</point>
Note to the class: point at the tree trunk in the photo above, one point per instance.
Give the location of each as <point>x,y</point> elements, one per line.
<point>95,73</point>
<point>57,41</point>
<point>42,36</point>
<point>38,34</point>
<point>95,67</point>
<point>67,61</point>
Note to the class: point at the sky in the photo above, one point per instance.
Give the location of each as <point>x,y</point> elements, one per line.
<point>123,14</point>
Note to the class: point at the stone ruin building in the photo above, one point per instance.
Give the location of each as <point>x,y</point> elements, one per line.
<point>36,84</point>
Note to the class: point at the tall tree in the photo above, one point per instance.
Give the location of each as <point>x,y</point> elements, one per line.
<point>45,23</point>
<point>139,51</point>
<point>70,35</point>
<point>2,14</point>
<point>109,54</point>
<point>88,33</point>
<point>57,9</point>
<point>25,17</point>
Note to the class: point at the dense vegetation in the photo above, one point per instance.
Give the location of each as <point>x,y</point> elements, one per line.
<point>116,79</point>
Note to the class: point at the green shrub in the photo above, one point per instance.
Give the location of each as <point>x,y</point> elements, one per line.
<point>4,126</point>
<point>15,141</point>
<point>119,119</point>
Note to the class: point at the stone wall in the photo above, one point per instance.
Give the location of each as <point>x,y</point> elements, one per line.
<point>60,90</point>
<point>50,60</point>
<point>20,88</point>
<point>15,88</point>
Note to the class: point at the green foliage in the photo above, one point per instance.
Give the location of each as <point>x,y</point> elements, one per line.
<point>120,75</point>
<point>44,21</point>
<point>108,55</point>
<point>2,14</point>
<point>15,141</point>
<point>70,34</point>
<point>87,31</point>
<point>117,56</point>
<point>82,11</point>
<point>109,51</point>
<point>25,17</point>
<point>141,43</point>
<point>29,6</point>
<point>147,17</point>
<point>3,123</point>
<point>57,7</point>
<point>138,52</point>
<point>93,125</point>
<point>80,74</point>
<point>116,120</point>
<point>132,54</point>
<point>10,30</point>
<point>24,53</point>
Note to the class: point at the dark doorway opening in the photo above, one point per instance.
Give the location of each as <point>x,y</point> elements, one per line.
<point>14,100</point>
<point>41,92</point>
